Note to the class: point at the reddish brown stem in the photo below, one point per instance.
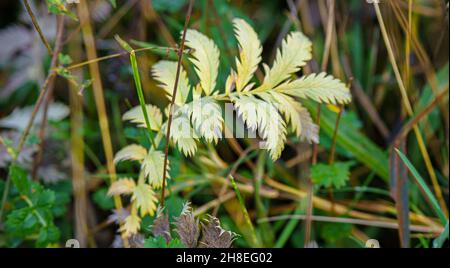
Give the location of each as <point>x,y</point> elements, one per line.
<point>172,103</point>
<point>51,85</point>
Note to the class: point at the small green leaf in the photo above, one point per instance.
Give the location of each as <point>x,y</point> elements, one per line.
<point>113,3</point>
<point>47,235</point>
<point>176,243</point>
<point>64,59</point>
<point>335,175</point>
<point>45,198</point>
<point>160,242</point>
<point>18,222</point>
<point>155,242</point>
<point>59,7</point>
<point>101,198</point>
<point>20,179</point>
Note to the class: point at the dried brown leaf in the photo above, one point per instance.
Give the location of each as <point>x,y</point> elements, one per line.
<point>214,236</point>
<point>187,228</point>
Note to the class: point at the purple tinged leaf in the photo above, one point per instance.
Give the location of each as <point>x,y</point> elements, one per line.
<point>214,236</point>
<point>187,227</point>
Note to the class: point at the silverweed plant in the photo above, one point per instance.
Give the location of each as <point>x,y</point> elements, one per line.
<point>270,108</point>
<point>239,139</point>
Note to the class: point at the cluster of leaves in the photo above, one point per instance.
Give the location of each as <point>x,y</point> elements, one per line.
<point>60,7</point>
<point>190,232</point>
<point>33,210</point>
<point>267,108</point>
<point>260,108</point>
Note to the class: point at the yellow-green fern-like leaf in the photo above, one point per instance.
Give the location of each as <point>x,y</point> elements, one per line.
<point>287,106</point>
<point>131,226</point>
<point>263,117</point>
<point>207,118</point>
<point>165,73</point>
<point>145,199</point>
<point>205,58</point>
<point>250,53</point>
<point>297,115</point>
<point>182,133</point>
<point>136,116</point>
<point>122,186</point>
<point>310,131</point>
<point>153,168</point>
<point>273,131</point>
<point>294,53</point>
<point>318,87</point>
<point>131,152</point>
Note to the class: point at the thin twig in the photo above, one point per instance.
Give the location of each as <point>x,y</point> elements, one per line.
<point>374,223</point>
<point>365,101</point>
<point>335,134</point>
<point>114,19</point>
<point>77,145</point>
<point>326,55</point>
<point>36,26</point>
<point>333,150</point>
<point>116,55</point>
<point>422,114</point>
<point>215,203</point>
<point>329,34</point>
<point>172,103</point>
<point>293,7</point>
<point>54,62</point>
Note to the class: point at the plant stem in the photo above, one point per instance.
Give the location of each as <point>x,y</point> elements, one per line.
<point>335,134</point>
<point>54,62</point>
<point>77,147</point>
<point>244,210</point>
<point>326,55</point>
<point>89,42</point>
<point>172,103</point>
<point>36,26</point>
<point>116,55</point>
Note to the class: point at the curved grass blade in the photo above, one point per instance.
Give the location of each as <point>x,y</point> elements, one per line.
<point>426,190</point>
<point>255,240</point>
<point>137,81</point>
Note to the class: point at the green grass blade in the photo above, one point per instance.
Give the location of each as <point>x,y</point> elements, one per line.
<point>137,82</point>
<point>287,231</point>
<point>255,240</point>
<point>428,193</point>
<point>140,92</point>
